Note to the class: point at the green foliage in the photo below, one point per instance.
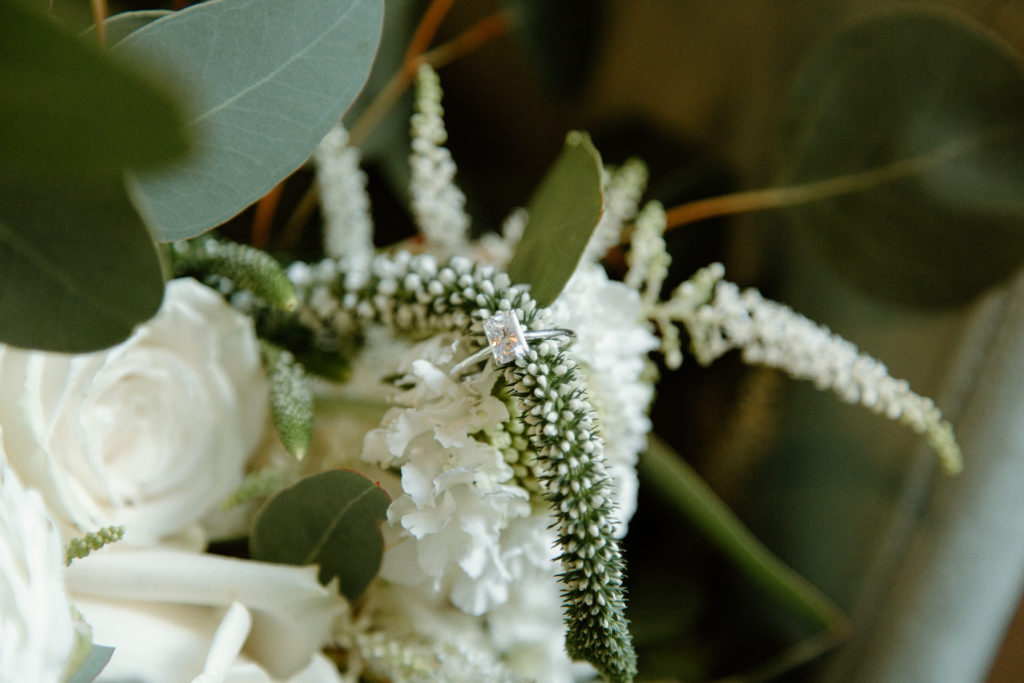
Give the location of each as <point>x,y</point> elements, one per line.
<point>246,267</point>
<point>87,672</point>
<point>291,398</point>
<point>332,519</point>
<point>919,116</point>
<point>564,211</point>
<point>267,80</point>
<point>79,269</point>
<point>67,110</point>
<point>78,548</point>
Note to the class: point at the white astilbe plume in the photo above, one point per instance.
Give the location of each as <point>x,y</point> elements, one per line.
<point>437,203</point>
<point>719,317</point>
<point>348,229</point>
<point>623,188</point>
<point>648,258</point>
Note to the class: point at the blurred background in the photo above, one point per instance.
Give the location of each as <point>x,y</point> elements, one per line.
<point>729,96</point>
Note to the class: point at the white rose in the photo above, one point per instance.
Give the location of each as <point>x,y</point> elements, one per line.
<point>175,616</point>
<point>150,434</point>
<point>36,631</point>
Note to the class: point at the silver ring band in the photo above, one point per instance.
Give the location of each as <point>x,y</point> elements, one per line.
<point>506,341</point>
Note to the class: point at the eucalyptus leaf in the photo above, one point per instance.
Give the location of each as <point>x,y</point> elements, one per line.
<point>79,268</point>
<point>564,211</point>
<point>267,80</point>
<point>87,672</point>
<point>332,519</point>
<point>912,124</point>
<point>66,109</point>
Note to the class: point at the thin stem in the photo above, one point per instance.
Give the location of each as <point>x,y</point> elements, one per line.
<point>469,41</point>
<point>263,219</point>
<point>100,11</point>
<point>425,32</point>
<point>794,195</point>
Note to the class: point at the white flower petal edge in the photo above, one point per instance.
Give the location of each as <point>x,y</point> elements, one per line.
<point>36,630</point>
<point>292,613</point>
<point>151,434</point>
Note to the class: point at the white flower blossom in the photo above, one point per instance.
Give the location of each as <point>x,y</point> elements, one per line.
<point>37,635</point>
<point>449,527</point>
<point>623,188</point>
<point>648,257</point>
<point>612,343</point>
<point>410,635</point>
<point>719,317</point>
<point>173,616</point>
<point>437,203</point>
<point>348,229</point>
<point>151,434</point>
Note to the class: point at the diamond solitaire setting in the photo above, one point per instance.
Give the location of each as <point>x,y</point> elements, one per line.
<point>506,341</point>
<point>505,337</point>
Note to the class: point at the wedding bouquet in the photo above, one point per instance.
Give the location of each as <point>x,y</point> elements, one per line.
<point>409,462</point>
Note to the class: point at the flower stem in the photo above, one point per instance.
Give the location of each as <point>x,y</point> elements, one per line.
<point>850,183</point>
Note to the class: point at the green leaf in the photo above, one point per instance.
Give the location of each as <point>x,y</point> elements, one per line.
<point>908,130</point>
<point>332,519</point>
<point>79,269</point>
<point>668,474</point>
<point>98,657</point>
<point>66,109</point>
<point>267,80</point>
<point>564,211</point>
<point>291,398</point>
<point>246,267</point>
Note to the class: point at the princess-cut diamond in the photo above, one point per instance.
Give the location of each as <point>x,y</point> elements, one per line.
<point>505,335</point>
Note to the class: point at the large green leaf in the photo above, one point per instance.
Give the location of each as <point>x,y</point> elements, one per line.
<point>564,211</point>
<point>79,268</point>
<point>332,519</point>
<point>918,117</point>
<point>267,80</point>
<point>66,109</point>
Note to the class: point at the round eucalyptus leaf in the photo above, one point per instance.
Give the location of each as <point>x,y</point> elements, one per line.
<point>66,109</point>
<point>918,117</point>
<point>266,80</point>
<point>79,268</point>
<point>332,519</point>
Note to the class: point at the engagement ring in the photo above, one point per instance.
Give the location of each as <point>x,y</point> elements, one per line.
<point>506,341</point>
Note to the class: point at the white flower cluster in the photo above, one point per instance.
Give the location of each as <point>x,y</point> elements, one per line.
<point>719,318</point>
<point>448,526</point>
<point>437,203</point>
<point>458,497</point>
<point>343,199</point>
<point>152,435</point>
